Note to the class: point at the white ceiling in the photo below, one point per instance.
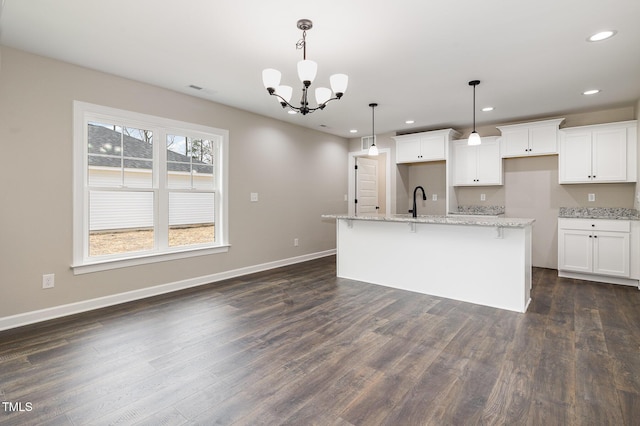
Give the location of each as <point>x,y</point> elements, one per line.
<point>413,57</point>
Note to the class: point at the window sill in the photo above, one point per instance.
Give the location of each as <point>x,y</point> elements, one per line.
<point>144,259</point>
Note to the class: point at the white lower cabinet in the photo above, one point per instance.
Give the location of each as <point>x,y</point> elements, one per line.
<point>598,247</point>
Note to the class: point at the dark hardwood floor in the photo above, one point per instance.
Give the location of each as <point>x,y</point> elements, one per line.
<point>298,346</point>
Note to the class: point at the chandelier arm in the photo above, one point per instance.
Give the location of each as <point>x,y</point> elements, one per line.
<point>304,109</point>
<point>283,102</point>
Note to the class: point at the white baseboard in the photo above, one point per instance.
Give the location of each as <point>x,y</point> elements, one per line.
<point>32,317</point>
<point>599,278</point>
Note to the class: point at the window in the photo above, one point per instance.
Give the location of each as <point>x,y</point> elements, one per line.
<point>145,188</point>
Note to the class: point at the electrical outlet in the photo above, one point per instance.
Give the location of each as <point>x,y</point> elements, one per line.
<point>295,242</point>
<point>48,281</point>
<point>254,197</point>
<point>434,197</point>
<point>483,197</point>
<point>592,197</point>
<point>346,198</point>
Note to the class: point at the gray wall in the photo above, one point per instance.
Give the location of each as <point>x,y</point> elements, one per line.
<point>298,173</point>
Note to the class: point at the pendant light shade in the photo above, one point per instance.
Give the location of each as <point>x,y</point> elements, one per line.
<point>307,70</point>
<point>285,92</point>
<point>339,84</point>
<point>373,149</point>
<point>474,137</point>
<point>271,77</point>
<point>323,94</point>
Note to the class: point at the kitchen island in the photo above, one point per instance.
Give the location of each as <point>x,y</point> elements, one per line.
<point>482,260</point>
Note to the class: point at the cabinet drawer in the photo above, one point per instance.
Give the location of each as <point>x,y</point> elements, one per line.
<point>612,225</point>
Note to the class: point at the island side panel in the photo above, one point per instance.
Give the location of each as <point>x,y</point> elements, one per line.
<point>469,263</point>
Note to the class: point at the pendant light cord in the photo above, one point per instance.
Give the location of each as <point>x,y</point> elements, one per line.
<point>474,107</point>
<point>373,122</point>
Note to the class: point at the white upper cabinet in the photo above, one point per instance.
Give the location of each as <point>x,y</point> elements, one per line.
<point>422,147</point>
<point>477,165</point>
<point>527,139</point>
<point>598,153</point>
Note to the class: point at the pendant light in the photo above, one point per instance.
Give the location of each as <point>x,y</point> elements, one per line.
<point>373,149</point>
<point>474,137</point>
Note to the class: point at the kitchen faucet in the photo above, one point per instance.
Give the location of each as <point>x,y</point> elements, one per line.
<point>414,211</point>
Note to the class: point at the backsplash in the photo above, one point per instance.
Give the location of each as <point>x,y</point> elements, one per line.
<point>599,212</point>
<point>480,210</point>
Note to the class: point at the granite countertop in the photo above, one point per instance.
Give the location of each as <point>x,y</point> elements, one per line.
<point>500,222</point>
<point>599,213</point>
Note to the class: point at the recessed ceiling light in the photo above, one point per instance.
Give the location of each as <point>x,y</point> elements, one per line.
<point>353,131</point>
<point>292,112</point>
<point>591,92</point>
<point>602,35</point>
<point>409,121</point>
<point>487,109</point>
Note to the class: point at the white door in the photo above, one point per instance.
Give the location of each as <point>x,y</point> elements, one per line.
<point>366,185</point>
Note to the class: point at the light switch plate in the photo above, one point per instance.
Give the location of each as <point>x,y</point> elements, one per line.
<point>254,197</point>
<point>434,197</point>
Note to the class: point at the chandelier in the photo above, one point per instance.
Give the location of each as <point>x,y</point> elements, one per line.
<point>306,73</point>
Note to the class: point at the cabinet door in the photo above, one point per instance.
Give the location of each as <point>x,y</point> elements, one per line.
<point>575,250</point>
<point>609,148</point>
<point>611,253</point>
<point>432,148</point>
<point>489,163</point>
<point>575,157</point>
<point>464,163</point>
<point>408,150</point>
<point>515,142</point>
<point>543,140</point>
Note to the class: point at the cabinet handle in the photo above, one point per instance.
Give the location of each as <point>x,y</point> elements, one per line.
<point>595,236</point>
<point>593,225</point>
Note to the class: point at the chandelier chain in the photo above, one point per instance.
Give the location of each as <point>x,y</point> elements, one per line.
<point>302,44</point>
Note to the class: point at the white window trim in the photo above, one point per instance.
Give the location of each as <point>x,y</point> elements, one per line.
<point>82,263</point>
